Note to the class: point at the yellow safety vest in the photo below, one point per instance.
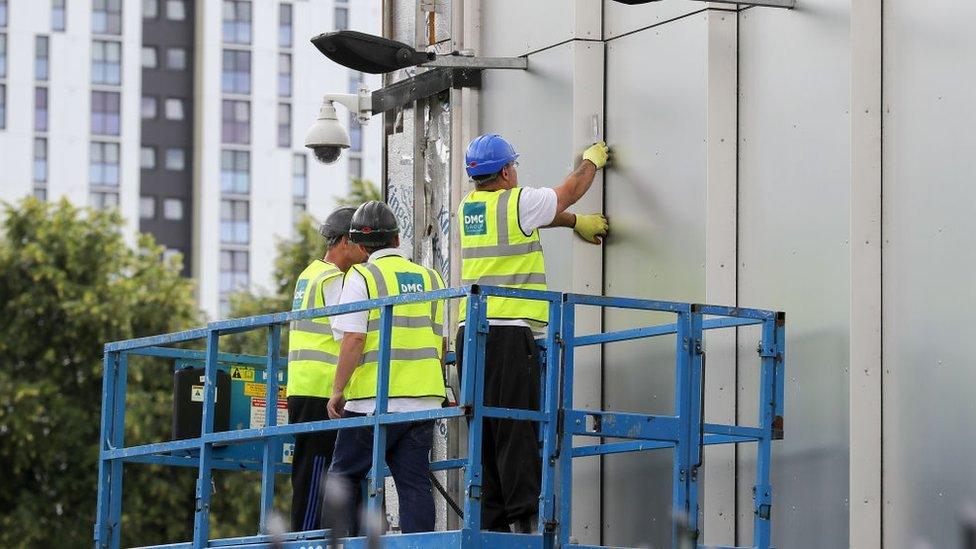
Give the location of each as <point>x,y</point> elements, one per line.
<point>417,335</point>
<point>312,352</point>
<point>495,252</point>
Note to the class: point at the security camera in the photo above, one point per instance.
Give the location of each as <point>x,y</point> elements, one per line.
<point>326,137</point>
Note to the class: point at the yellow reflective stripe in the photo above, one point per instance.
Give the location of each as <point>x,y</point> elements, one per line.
<point>501,250</point>
<point>310,326</point>
<point>434,285</point>
<point>424,353</point>
<point>400,321</point>
<point>313,354</point>
<point>378,279</point>
<point>508,279</point>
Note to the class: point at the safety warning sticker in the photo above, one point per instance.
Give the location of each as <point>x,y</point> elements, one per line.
<point>259,389</point>
<point>241,373</point>
<point>196,393</point>
<point>258,411</point>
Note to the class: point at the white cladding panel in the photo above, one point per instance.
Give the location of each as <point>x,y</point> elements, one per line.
<point>516,27</point>
<point>794,218</point>
<point>655,200</point>
<point>620,18</point>
<point>928,265</point>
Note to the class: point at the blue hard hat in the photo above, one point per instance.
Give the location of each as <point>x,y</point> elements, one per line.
<point>488,154</point>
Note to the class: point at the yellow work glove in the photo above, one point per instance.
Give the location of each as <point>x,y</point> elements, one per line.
<point>598,154</point>
<point>591,227</point>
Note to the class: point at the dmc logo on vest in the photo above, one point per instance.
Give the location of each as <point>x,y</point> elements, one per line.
<point>299,294</point>
<point>474,218</point>
<point>410,283</point>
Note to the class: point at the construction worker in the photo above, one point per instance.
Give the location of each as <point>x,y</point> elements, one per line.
<point>416,370</point>
<point>499,226</point>
<point>312,358</point>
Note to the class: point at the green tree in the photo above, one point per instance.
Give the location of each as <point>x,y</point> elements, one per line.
<point>68,284</point>
<point>360,190</point>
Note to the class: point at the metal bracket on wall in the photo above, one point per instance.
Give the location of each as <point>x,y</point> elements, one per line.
<point>424,85</point>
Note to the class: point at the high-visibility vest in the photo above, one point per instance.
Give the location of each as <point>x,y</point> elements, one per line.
<point>312,351</point>
<point>416,338</point>
<point>495,252</point>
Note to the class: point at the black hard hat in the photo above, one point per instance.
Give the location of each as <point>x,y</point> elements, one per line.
<point>337,224</point>
<point>373,224</point>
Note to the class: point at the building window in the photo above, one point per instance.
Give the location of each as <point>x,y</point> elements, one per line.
<point>341,18</point>
<point>175,159</point>
<point>176,59</point>
<point>235,168</point>
<point>3,13</point>
<point>236,72</point>
<point>150,9</point>
<point>147,207</point>
<point>41,57</point>
<point>58,15</point>
<point>235,225</point>
<point>150,107</point>
<point>284,74</point>
<point>106,62</point>
<point>40,160</point>
<point>3,55</point>
<point>175,109</point>
<point>284,125</point>
<point>107,17</point>
<point>101,200</point>
<point>147,158</point>
<point>233,271</point>
<point>3,106</point>
<point>237,22</point>
<point>175,10</point>
<point>173,209</point>
<point>103,164</point>
<point>149,57</point>
<point>299,179</point>
<point>40,109</point>
<point>105,113</point>
<point>284,26</point>
<point>40,192</point>
<point>236,117</point>
<point>355,168</point>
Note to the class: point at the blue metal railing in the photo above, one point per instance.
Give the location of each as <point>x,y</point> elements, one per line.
<point>685,432</point>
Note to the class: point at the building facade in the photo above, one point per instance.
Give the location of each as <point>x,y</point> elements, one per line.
<point>188,116</point>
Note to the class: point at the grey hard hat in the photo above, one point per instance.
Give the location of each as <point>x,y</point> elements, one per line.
<point>337,224</point>
<point>373,224</point>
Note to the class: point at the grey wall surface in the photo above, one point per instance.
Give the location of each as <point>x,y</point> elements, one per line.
<point>655,196</point>
<point>794,217</point>
<point>928,261</point>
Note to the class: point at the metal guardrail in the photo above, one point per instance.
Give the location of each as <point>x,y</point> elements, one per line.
<point>685,432</point>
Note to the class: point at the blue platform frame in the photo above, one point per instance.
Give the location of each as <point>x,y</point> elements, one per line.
<point>685,433</point>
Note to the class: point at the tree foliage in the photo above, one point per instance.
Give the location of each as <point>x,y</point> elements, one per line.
<point>360,191</point>
<point>69,283</point>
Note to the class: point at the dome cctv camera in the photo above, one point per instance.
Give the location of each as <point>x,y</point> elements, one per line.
<point>326,137</point>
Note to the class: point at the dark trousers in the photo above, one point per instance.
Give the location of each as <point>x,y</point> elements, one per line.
<point>408,457</point>
<point>313,454</point>
<point>510,455</point>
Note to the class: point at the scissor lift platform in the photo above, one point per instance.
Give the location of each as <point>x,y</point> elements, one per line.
<point>685,432</point>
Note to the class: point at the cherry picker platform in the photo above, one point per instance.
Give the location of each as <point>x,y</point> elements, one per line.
<point>685,432</point>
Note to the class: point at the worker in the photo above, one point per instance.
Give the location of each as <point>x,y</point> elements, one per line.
<point>499,227</point>
<point>416,376</point>
<point>312,358</point>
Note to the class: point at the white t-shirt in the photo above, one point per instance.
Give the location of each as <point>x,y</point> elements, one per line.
<point>536,208</point>
<point>354,289</point>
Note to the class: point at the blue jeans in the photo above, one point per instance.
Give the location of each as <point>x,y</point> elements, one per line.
<point>408,456</point>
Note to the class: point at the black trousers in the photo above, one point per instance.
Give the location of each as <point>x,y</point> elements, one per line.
<point>510,453</point>
<point>310,462</point>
